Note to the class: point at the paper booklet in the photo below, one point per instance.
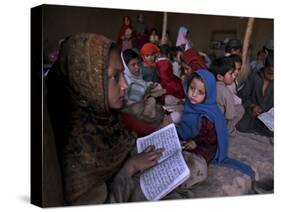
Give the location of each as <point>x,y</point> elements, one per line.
<point>268,119</point>
<point>171,170</point>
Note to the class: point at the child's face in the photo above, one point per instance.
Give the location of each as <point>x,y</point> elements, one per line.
<point>134,66</point>
<point>150,57</point>
<point>235,51</point>
<point>127,21</point>
<point>228,78</point>
<point>186,69</point>
<point>237,70</point>
<point>196,91</point>
<point>178,56</point>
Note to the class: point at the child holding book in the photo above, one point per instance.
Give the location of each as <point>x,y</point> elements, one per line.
<point>257,97</point>
<point>224,71</point>
<point>142,114</point>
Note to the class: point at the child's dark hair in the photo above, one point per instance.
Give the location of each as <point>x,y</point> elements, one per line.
<point>153,29</point>
<point>233,44</point>
<point>236,58</point>
<point>269,61</point>
<point>194,75</point>
<point>165,50</point>
<point>174,50</point>
<point>222,65</point>
<point>128,55</point>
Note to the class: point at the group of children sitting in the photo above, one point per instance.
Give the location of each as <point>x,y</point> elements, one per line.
<point>208,103</point>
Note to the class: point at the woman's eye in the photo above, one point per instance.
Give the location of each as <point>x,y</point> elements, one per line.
<point>116,76</point>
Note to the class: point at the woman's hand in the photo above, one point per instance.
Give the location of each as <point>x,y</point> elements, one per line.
<point>189,145</point>
<point>144,160</point>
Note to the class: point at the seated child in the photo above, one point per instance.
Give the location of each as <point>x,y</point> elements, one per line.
<point>175,57</point>
<point>236,85</point>
<point>171,83</point>
<point>233,46</point>
<point>149,52</point>
<point>257,97</point>
<point>223,70</point>
<point>154,37</point>
<point>127,42</point>
<point>257,65</point>
<point>141,95</point>
<point>191,61</point>
<point>203,128</point>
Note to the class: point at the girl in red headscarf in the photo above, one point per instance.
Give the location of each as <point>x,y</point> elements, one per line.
<point>191,61</point>
<point>149,52</point>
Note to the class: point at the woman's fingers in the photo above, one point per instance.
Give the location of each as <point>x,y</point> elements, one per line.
<point>149,148</point>
<point>155,156</point>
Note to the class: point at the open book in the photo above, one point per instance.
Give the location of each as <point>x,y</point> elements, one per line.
<point>171,170</point>
<point>268,119</point>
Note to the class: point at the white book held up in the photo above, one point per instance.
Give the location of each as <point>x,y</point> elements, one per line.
<point>171,170</point>
<point>268,119</point>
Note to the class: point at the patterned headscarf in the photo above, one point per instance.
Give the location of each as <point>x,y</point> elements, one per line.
<point>97,144</point>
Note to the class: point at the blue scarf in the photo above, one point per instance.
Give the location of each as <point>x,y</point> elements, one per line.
<point>191,124</point>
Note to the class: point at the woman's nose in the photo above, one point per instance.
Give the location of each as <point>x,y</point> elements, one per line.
<point>123,83</point>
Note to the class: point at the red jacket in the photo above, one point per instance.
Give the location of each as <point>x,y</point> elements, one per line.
<point>169,81</point>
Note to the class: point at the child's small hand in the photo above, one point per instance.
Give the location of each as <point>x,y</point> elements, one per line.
<point>256,110</point>
<point>189,145</point>
<point>154,85</point>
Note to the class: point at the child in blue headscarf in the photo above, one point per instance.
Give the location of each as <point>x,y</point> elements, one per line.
<point>203,127</point>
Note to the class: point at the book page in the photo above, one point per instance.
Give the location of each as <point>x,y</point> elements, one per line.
<point>166,138</point>
<point>268,119</point>
<point>161,179</point>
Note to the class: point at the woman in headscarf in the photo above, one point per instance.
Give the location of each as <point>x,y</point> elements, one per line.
<point>86,90</point>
